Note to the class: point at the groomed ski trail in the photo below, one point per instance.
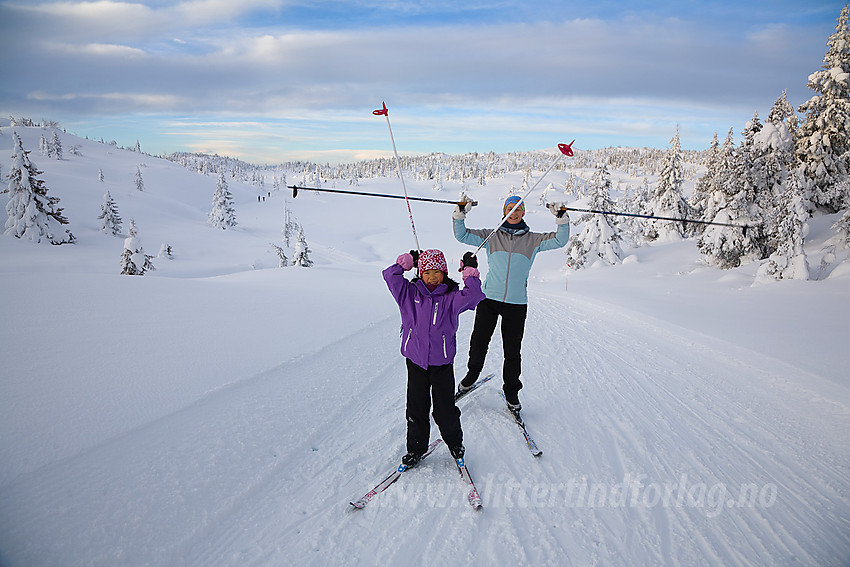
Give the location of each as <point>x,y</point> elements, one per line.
<point>612,397</point>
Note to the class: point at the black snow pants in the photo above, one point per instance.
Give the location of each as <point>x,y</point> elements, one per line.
<point>423,384</point>
<point>513,326</point>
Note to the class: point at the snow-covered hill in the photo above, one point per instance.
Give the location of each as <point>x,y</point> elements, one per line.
<point>223,411</point>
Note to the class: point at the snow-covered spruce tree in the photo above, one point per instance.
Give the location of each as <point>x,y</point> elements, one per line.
<point>599,240</point>
<point>281,255</point>
<point>823,145</point>
<point>773,162</point>
<point>54,146</point>
<point>788,261</point>
<point>100,174</point>
<point>42,146</point>
<point>134,261</point>
<point>138,181</point>
<point>222,215</point>
<point>707,184</point>
<point>728,246</point>
<point>110,220</point>
<point>301,256</point>
<point>32,213</point>
<point>289,225</point>
<point>166,251</point>
<point>667,200</point>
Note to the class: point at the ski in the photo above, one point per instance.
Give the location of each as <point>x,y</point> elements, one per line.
<point>472,497</point>
<point>361,502</point>
<point>532,446</point>
<point>478,383</point>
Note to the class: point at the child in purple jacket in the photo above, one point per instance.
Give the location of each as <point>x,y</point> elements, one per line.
<point>429,307</point>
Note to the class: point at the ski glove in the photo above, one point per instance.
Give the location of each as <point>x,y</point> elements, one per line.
<point>469,260</point>
<point>405,261</point>
<point>461,209</point>
<point>560,212</point>
<point>470,271</point>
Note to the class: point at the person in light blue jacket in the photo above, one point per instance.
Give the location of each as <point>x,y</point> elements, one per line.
<point>510,254</point>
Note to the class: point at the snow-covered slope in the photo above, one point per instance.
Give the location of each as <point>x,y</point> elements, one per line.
<point>223,411</point>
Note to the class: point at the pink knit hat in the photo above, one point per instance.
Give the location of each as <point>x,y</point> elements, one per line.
<point>432,260</point>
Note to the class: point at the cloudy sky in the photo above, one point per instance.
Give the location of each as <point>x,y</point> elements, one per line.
<point>274,80</point>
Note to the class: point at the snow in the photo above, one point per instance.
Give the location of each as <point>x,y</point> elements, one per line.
<point>223,411</point>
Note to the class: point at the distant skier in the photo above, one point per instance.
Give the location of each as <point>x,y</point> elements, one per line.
<point>429,307</point>
<point>510,253</point>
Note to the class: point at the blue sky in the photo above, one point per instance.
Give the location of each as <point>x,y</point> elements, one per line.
<point>271,80</point>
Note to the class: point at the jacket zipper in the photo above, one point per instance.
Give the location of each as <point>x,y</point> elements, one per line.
<point>436,305</point>
<point>445,354</point>
<point>508,270</point>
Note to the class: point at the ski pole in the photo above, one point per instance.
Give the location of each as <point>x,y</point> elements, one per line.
<point>386,114</point>
<point>567,150</point>
<point>636,215</point>
<point>296,188</point>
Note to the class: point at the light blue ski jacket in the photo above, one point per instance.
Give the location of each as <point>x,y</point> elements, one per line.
<point>509,257</point>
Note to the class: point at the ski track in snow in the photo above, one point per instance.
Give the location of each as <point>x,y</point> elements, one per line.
<point>623,406</point>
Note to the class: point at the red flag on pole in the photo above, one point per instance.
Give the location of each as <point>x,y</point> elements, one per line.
<point>381,111</point>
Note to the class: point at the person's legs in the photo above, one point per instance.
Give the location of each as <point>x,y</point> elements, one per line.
<point>446,412</point>
<point>513,327</point>
<point>486,316</point>
<point>418,406</point>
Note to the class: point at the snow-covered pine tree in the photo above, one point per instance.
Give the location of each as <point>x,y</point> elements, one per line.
<point>166,251</point>
<point>823,145</point>
<point>134,261</point>
<point>789,261</point>
<point>138,148</point>
<point>32,213</point>
<point>599,240</point>
<point>138,181</point>
<point>438,179</point>
<point>301,256</point>
<point>110,220</point>
<point>42,146</point>
<point>54,146</point>
<point>281,255</point>
<point>727,246</point>
<point>289,225</point>
<point>773,163</point>
<point>707,184</point>
<point>100,174</point>
<point>222,215</point>
<point>667,199</point>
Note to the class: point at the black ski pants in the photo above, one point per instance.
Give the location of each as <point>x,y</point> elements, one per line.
<point>423,384</point>
<point>513,326</point>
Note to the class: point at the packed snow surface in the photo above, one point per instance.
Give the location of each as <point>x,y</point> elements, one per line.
<point>224,411</point>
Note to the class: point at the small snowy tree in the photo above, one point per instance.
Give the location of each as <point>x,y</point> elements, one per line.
<point>667,199</point>
<point>222,214</point>
<point>110,220</point>
<point>823,145</point>
<point>32,213</point>
<point>54,146</point>
<point>138,181</point>
<point>599,240</point>
<point>165,251</point>
<point>100,175</point>
<point>42,146</point>
<point>134,261</point>
<point>281,255</point>
<point>301,256</point>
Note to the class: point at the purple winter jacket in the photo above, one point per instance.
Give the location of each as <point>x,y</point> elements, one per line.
<point>429,319</point>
